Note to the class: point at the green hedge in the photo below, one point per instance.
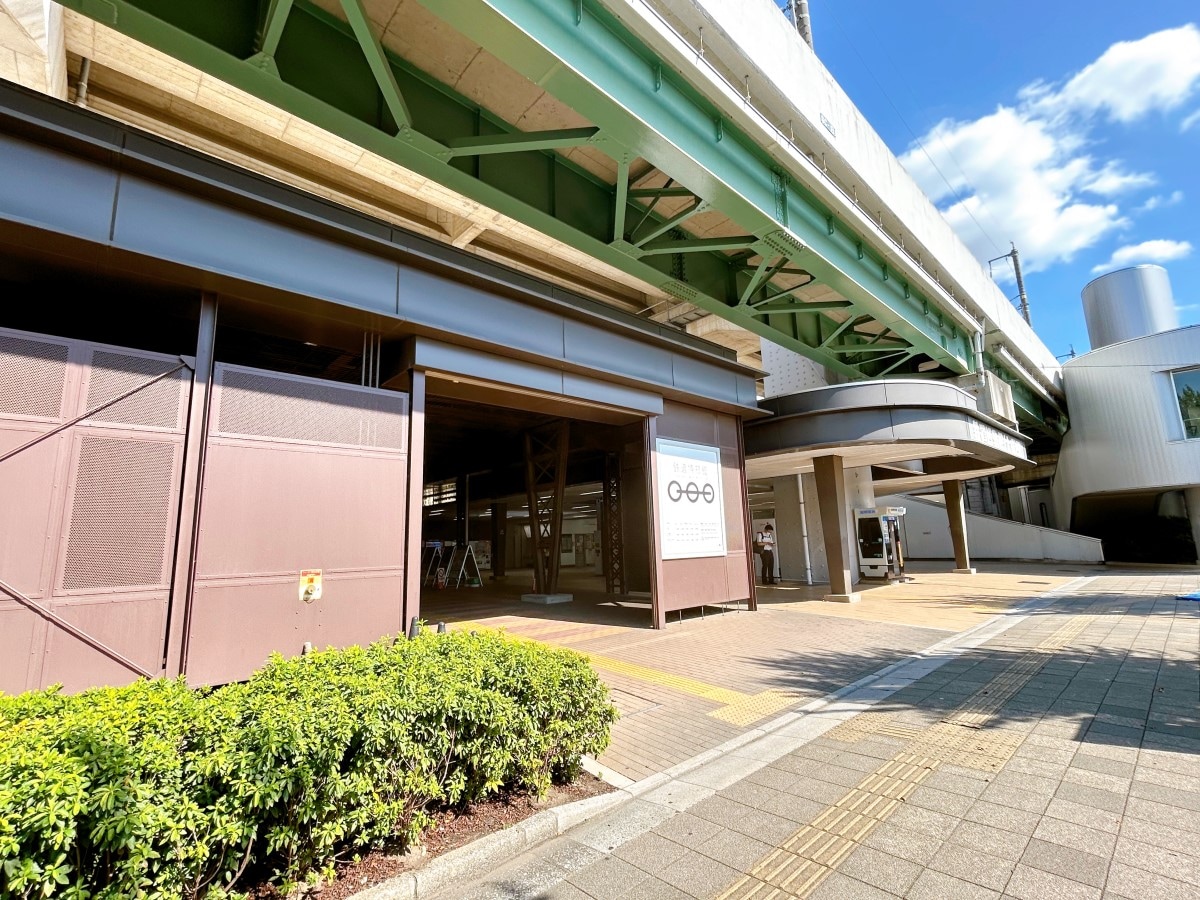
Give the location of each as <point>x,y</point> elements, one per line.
<point>156,790</point>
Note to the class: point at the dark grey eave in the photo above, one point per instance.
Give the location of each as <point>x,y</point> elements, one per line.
<point>883,412</point>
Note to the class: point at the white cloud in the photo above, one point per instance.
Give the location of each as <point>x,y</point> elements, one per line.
<point>1028,172</point>
<point>1158,201</point>
<point>1130,79</point>
<point>1012,176</point>
<point>1190,121</point>
<point>1112,180</point>
<point>1155,251</point>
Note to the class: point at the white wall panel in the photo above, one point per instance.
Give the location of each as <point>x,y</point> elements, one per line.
<point>1125,432</point>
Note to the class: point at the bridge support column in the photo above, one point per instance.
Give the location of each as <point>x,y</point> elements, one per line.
<point>835,525</point>
<point>956,512</point>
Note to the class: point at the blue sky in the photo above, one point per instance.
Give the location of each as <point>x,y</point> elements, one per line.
<point>1069,127</point>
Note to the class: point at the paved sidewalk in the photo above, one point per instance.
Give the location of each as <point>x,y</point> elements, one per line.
<point>1054,752</point>
<point>706,680</point>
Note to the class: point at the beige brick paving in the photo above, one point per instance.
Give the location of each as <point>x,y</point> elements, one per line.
<point>707,678</point>
<point>1059,759</point>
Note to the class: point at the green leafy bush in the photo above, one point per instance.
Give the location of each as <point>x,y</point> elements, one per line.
<point>156,790</point>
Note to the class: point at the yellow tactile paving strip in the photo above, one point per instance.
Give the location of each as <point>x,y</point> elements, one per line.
<point>735,707</point>
<point>946,601</point>
<point>805,859</point>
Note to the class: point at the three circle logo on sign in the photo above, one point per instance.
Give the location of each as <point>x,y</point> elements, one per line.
<point>693,492</point>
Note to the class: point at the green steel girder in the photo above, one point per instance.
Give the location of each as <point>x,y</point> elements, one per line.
<point>581,54</point>
<point>521,141</point>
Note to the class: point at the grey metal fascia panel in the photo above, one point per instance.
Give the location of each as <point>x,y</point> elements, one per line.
<point>218,176</point>
<point>695,377</point>
<point>50,189</point>
<point>596,348</point>
<point>155,220</point>
<point>916,424</point>
<point>909,393</point>
<point>457,308</point>
<point>455,360</point>
<point>595,391</point>
<point>747,390</point>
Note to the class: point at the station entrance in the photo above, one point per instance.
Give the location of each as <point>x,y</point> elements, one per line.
<point>532,500</point>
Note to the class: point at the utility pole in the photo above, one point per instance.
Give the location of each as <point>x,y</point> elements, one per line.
<point>1022,299</point>
<point>798,12</point>
<point>1016,258</point>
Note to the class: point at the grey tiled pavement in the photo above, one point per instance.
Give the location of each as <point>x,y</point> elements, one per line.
<point>1094,791</point>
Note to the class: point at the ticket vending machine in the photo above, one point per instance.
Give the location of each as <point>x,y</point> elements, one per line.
<point>880,553</point>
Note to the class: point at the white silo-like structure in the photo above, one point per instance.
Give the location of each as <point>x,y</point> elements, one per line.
<point>1127,304</point>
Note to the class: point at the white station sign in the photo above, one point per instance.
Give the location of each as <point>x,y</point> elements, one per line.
<point>690,503</point>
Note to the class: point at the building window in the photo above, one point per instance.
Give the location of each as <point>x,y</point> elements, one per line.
<point>1187,391</point>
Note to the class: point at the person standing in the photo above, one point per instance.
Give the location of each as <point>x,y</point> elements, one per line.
<point>765,540</point>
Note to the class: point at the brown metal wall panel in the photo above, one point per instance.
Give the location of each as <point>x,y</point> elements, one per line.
<point>242,621</point>
<point>270,509</point>
<point>131,625</point>
<point>28,511</point>
<point>89,517</point>
<point>737,575</point>
<point>693,582</point>
<point>300,474</point>
<point>22,638</point>
<point>119,523</point>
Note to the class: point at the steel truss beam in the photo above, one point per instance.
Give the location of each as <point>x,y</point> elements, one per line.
<point>545,483</point>
<point>612,542</point>
<point>335,75</point>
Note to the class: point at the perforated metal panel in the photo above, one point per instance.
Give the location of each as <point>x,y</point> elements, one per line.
<point>32,376</point>
<point>88,515</point>
<point>286,408</point>
<point>114,373</point>
<point>120,514</point>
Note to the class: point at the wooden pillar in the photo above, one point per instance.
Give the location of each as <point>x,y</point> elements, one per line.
<point>956,512</point>
<point>835,525</point>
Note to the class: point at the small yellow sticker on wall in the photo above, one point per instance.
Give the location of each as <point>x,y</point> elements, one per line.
<point>310,585</point>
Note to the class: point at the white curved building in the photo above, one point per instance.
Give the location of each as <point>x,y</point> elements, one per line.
<point>1129,469</point>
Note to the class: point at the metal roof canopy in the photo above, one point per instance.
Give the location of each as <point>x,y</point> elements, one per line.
<point>336,75</point>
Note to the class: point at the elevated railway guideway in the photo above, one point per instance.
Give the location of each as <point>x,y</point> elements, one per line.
<point>564,116</point>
